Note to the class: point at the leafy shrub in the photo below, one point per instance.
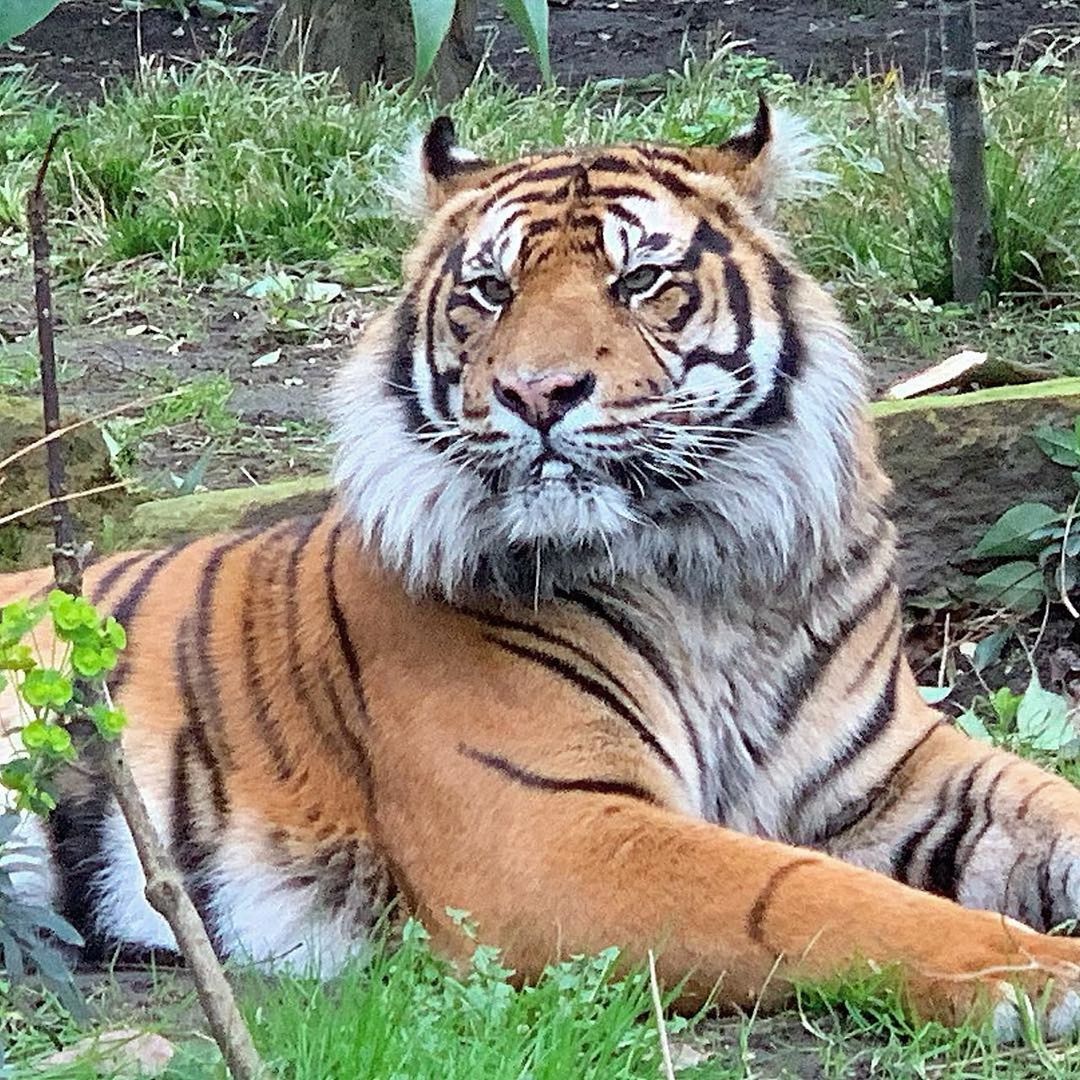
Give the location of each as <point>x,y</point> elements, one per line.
<point>1040,543</point>
<point>47,695</point>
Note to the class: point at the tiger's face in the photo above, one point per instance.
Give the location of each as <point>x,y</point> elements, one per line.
<point>598,367</point>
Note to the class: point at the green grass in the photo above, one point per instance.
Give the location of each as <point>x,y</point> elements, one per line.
<point>407,1015</point>
<point>221,165</point>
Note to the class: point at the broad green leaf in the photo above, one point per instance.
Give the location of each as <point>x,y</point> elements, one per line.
<point>109,722</point>
<point>989,649</point>
<point>971,724</point>
<point>934,695</point>
<point>531,18</point>
<point>1011,533</point>
<point>431,23</point>
<point>1016,585</point>
<point>1042,720</point>
<point>17,16</point>
<point>1060,446</point>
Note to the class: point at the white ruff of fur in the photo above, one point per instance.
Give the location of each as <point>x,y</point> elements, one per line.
<point>769,512</point>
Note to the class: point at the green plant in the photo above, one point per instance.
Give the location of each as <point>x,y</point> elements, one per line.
<point>1040,542</point>
<point>431,23</point>
<point>18,16</point>
<point>47,696</point>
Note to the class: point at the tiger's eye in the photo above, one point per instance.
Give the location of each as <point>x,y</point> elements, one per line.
<point>640,280</point>
<point>494,290</point>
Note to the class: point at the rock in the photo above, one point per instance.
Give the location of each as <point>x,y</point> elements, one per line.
<point>122,1053</point>
<point>959,461</point>
<point>166,521</point>
<point>24,483</point>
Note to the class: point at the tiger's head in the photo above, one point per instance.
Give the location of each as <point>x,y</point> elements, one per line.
<point>604,363</point>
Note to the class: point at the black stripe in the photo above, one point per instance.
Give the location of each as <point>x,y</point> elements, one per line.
<point>259,587</point>
<point>530,779</point>
<point>1045,890</point>
<point>802,685</point>
<point>341,627</point>
<point>871,729</point>
<point>987,819</point>
<point>647,649</point>
<point>859,809</point>
<point>905,854</point>
<point>588,685</point>
<point>776,407</point>
<point>75,831</point>
<point>451,270</point>
<point>402,383</point>
<point>538,632</point>
<point>942,866</point>
<point>127,608</point>
<point>113,575</point>
<point>759,909</point>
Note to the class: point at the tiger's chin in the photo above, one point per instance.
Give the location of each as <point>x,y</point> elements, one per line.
<point>569,512</point>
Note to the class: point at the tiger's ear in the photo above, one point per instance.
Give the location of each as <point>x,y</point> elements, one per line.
<point>770,160</point>
<point>436,169</point>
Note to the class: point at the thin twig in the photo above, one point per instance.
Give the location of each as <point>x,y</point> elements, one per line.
<point>164,886</point>
<point>137,403</point>
<point>1069,518</point>
<point>57,501</point>
<point>665,1048</point>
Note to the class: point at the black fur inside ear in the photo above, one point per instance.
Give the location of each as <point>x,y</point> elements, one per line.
<point>439,145</point>
<point>750,143</point>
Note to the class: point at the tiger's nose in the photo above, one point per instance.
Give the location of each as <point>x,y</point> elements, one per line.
<point>543,399</point>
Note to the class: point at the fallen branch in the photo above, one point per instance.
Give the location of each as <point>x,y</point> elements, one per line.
<point>164,887</point>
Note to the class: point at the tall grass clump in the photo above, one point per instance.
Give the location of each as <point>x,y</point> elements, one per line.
<point>886,221</point>
<point>222,164</point>
<point>406,1014</point>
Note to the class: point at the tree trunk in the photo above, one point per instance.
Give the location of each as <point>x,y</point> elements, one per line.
<point>373,39</point>
<point>972,237</point>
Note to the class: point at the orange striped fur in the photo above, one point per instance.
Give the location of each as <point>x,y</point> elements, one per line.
<point>599,643</point>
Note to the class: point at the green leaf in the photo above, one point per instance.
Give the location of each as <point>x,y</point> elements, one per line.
<point>17,16</point>
<point>115,634</point>
<point>1011,533</point>
<point>1060,446</point>
<point>91,660</point>
<point>1042,720</point>
<point>1005,704</point>
<point>531,18</point>
<point>109,722</point>
<point>45,687</point>
<point>431,23</point>
<point>17,619</point>
<point>934,695</point>
<point>1016,585</point>
<point>989,649</point>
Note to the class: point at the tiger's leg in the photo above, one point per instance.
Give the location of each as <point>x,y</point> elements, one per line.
<point>547,870</point>
<point>970,823</point>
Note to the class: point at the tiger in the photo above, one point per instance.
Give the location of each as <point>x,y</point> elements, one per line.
<point>599,640</point>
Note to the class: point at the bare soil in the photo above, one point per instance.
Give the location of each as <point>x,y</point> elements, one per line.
<point>84,43</point>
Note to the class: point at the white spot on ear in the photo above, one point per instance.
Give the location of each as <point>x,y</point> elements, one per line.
<point>406,185</point>
<point>789,161</point>
<point>405,188</point>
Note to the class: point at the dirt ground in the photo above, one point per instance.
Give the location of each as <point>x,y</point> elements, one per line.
<point>590,39</point>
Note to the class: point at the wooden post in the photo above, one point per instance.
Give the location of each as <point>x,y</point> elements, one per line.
<point>972,235</point>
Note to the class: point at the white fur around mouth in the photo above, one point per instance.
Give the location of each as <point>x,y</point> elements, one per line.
<point>556,470</point>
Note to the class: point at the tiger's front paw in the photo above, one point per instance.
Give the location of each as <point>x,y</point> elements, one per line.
<point>1021,979</point>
